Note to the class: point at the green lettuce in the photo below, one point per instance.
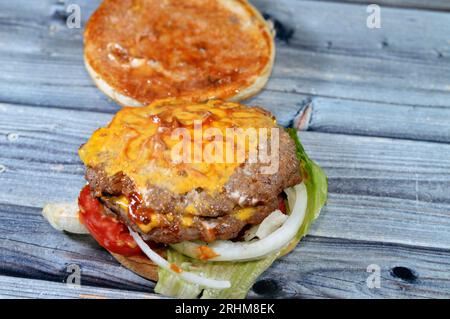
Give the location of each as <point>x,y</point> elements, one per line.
<point>242,275</point>
<point>316,183</point>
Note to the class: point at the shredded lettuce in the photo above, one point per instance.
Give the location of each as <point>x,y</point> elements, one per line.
<point>243,275</point>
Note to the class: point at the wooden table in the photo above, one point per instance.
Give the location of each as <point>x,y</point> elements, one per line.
<point>373,108</point>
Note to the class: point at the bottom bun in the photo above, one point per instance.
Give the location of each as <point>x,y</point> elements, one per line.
<point>140,265</point>
<point>144,267</point>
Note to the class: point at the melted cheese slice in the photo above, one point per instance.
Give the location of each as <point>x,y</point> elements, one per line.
<point>244,213</point>
<point>141,142</point>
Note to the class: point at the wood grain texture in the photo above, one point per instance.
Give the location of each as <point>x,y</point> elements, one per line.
<point>44,253</point>
<point>393,181</point>
<point>328,55</point>
<point>330,268</point>
<point>375,119</point>
<point>389,202</point>
<point>332,53</point>
<point>437,5</point>
<point>388,192</point>
<point>319,267</point>
<point>23,288</point>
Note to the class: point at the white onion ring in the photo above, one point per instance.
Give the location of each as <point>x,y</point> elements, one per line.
<point>188,276</point>
<point>271,223</point>
<point>243,251</point>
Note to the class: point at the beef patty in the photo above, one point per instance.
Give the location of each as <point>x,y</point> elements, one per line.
<point>132,169</point>
<point>217,216</point>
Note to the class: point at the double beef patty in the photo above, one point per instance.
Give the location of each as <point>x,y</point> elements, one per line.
<point>216,215</point>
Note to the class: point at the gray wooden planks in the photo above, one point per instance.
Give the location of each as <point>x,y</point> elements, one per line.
<point>328,55</point>
<point>390,180</point>
<point>384,220</point>
<point>389,199</point>
<point>330,268</point>
<point>54,73</point>
<point>23,288</point>
<point>382,167</point>
<point>374,197</point>
<point>31,248</point>
<point>318,268</point>
<point>375,119</point>
<point>437,5</point>
<point>402,185</point>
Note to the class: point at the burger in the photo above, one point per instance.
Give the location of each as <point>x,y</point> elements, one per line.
<point>199,194</point>
<point>200,197</point>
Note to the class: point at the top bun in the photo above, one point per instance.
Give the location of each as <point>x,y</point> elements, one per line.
<point>143,50</point>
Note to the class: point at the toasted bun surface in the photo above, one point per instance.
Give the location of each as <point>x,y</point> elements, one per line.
<point>142,50</point>
<point>140,265</point>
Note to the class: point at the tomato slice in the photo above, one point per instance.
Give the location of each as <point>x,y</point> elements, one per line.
<point>109,232</point>
<point>282,204</point>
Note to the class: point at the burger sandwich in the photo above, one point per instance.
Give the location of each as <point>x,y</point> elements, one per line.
<point>200,197</point>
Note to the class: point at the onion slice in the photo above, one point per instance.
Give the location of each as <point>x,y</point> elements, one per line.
<point>64,217</point>
<point>188,276</point>
<point>271,223</point>
<point>243,251</point>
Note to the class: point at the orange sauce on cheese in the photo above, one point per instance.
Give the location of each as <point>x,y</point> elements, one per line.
<point>140,143</point>
<point>201,49</point>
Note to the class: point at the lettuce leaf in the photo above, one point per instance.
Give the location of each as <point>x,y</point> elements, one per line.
<point>242,275</point>
<point>316,183</point>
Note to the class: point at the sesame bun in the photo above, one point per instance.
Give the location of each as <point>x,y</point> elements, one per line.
<point>143,50</point>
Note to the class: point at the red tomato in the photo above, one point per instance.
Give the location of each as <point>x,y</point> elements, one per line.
<point>110,233</point>
<point>281,204</point>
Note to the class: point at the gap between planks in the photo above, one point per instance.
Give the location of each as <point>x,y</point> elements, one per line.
<point>370,65</point>
<point>401,185</point>
<point>319,268</point>
<point>24,288</point>
<point>434,5</point>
